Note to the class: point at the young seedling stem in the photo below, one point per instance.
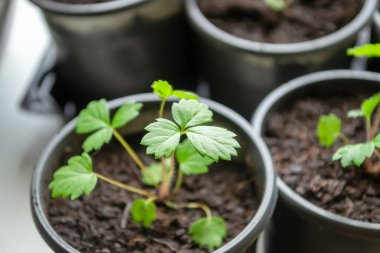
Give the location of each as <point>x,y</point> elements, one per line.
<point>191,205</point>
<point>178,182</point>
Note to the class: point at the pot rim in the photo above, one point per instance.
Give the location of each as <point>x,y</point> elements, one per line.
<point>376,18</point>
<point>87,9</point>
<point>245,237</point>
<point>318,213</point>
<point>208,29</point>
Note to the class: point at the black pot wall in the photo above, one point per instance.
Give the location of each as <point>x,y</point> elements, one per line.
<point>297,225</point>
<point>120,47</point>
<point>241,72</point>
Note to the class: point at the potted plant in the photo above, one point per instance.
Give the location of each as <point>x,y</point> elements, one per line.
<point>250,68</point>
<point>122,213</point>
<point>118,42</point>
<point>320,202</point>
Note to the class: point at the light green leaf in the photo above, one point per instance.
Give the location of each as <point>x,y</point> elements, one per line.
<point>152,176</point>
<point>276,5</point>
<point>329,127</point>
<point>188,113</point>
<point>95,116</point>
<point>96,140</point>
<point>355,154</point>
<point>208,233</point>
<point>356,113</point>
<point>143,212</point>
<point>213,142</point>
<point>181,94</point>
<point>162,88</point>
<point>368,50</point>
<point>162,139</point>
<point>369,105</point>
<point>190,161</point>
<point>125,114</point>
<point>74,179</point>
<point>376,141</point>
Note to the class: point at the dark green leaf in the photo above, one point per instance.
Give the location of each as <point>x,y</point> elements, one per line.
<point>190,161</point>
<point>125,114</point>
<point>368,50</point>
<point>329,127</point>
<point>208,233</point>
<point>163,89</point>
<point>143,212</point>
<point>181,94</point>
<point>153,174</point>
<point>355,154</point>
<point>74,179</point>
<point>213,142</point>
<point>162,139</point>
<point>369,105</point>
<point>188,113</point>
<point>94,117</point>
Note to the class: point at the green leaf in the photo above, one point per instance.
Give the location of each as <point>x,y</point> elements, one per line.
<point>369,105</point>
<point>181,94</point>
<point>162,88</point>
<point>188,113</point>
<point>329,127</point>
<point>143,212</point>
<point>208,233</point>
<point>213,142</point>
<point>96,140</point>
<point>376,141</point>
<point>356,113</point>
<point>368,50</point>
<point>162,139</point>
<point>125,114</point>
<point>152,176</point>
<point>74,179</point>
<point>276,5</point>
<point>355,154</point>
<point>190,161</point>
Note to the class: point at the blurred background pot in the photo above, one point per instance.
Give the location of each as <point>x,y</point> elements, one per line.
<point>376,27</point>
<point>241,72</point>
<point>299,226</point>
<point>254,157</point>
<point>119,47</point>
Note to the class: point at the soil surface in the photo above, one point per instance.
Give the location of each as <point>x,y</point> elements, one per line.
<point>308,168</point>
<point>302,20</point>
<point>94,223</point>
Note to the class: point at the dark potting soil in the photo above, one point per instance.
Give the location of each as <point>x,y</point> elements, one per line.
<point>308,168</point>
<point>302,20</point>
<point>94,223</point>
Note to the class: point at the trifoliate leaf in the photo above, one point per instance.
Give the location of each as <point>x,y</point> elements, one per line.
<point>276,5</point>
<point>329,127</point>
<point>356,113</point>
<point>368,50</point>
<point>208,233</point>
<point>163,89</point>
<point>94,117</point>
<point>213,142</point>
<point>188,113</point>
<point>376,141</point>
<point>96,140</point>
<point>369,105</point>
<point>181,94</point>
<point>143,212</point>
<point>74,179</point>
<point>162,139</point>
<point>125,114</point>
<point>355,154</point>
<point>153,174</point>
<point>190,161</point>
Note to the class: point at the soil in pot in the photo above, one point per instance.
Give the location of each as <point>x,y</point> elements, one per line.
<point>302,20</point>
<point>308,169</point>
<point>95,223</point>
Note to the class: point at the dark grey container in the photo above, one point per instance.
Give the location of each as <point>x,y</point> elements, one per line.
<point>254,154</point>
<point>299,226</point>
<point>376,27</point>
<point>241,72</point>
<point>119,47</point>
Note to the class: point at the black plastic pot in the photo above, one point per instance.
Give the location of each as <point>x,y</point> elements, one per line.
<point>253,153</point>
<point>241,72</point>
<point>299,226</point>
<point>119,47</point>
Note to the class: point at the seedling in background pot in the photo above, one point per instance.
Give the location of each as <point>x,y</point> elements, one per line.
<point>278,5</point>
<point>183,145</point>
<point>368,51</point>
<point>365,153</point>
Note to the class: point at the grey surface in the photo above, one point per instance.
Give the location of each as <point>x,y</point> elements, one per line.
<point>22,135</point>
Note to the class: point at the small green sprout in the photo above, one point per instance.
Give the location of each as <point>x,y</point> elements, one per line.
<point>276,5</point>
<point>183,145</point>
<point>329,131</point>
<point>368,51</point>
